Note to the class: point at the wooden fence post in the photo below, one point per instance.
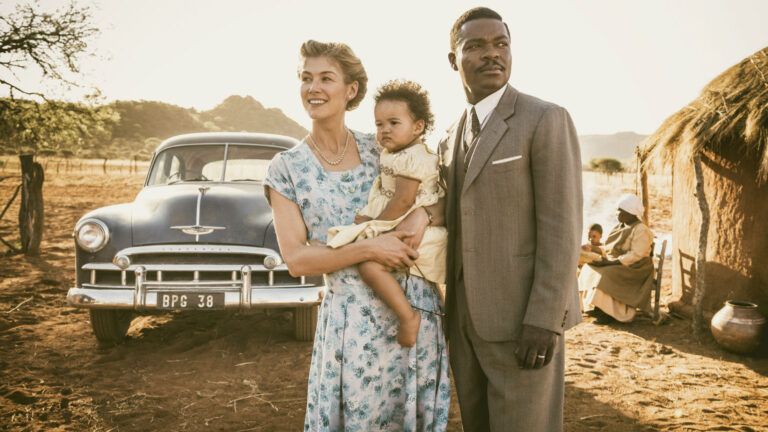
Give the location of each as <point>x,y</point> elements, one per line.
<point>700,289</point>
<point>31,209</point>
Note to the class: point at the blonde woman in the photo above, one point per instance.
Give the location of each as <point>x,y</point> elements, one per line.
<point>360,378</point>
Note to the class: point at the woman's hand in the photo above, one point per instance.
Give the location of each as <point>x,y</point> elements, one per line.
<point>605,262</point>
<point>390,250</point>
<point>416,223</point>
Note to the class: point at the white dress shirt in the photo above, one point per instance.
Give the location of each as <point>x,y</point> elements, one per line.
<point>484,108</point>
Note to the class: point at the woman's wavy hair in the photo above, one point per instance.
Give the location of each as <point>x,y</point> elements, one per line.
<point>350,65</point>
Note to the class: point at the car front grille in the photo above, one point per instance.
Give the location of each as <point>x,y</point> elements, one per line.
<point>219,267</point>
<point>117,277</point>
<point>161,258</point>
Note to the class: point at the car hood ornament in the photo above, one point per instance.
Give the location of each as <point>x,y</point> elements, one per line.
<point>197,230</point>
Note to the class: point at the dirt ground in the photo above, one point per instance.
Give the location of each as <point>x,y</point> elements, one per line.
<point>243,372</point>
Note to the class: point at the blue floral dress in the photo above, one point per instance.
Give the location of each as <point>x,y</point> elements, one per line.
<point>360,378</point>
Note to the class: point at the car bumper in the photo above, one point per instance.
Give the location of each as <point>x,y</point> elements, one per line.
<point>249,286</point>
<point>261,297</point>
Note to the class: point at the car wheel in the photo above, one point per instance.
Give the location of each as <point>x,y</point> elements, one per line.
<point>110,326</point>
<point>305,323</point>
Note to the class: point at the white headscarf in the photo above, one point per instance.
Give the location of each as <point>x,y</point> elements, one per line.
<point>632,204</point>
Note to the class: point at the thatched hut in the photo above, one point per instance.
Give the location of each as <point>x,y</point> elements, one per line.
<point>726,128</point>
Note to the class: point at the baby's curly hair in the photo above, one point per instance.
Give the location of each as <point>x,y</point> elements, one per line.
<point>413,95</point>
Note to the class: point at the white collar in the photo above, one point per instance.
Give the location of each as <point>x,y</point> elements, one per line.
<point>485,107</point>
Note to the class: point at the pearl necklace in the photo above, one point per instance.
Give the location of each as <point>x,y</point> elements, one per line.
<point>336,161</point>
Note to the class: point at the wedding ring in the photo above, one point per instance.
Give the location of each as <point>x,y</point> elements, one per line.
<point>541,356</point>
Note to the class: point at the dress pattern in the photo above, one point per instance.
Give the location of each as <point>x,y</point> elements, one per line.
<point>360,378</point>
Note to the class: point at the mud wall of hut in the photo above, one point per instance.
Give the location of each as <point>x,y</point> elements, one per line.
<point>737,253</point>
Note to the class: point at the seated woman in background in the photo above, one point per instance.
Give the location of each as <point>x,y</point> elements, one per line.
<point>621,282</point>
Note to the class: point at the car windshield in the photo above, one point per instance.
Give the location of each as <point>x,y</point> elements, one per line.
<point>211,163</point>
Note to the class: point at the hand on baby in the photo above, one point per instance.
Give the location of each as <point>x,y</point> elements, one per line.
<point>362,218</point>
<point>392,252</point>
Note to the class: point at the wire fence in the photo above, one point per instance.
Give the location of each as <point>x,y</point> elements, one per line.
<point>10,166</point>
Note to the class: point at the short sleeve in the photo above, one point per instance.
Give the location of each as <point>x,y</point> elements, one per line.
<point>416,162</point>
<point>279,179</point>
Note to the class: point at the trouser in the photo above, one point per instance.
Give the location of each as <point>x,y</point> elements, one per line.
<point>494,393</point>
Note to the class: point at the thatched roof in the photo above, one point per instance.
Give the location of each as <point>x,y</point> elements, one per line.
<point>732,110</point>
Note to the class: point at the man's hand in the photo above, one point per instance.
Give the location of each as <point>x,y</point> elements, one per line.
<point>535,348</point>
<point>416,222</point>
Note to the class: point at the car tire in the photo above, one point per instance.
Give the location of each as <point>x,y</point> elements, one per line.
<point>305,323</point>
<point>110,326</point>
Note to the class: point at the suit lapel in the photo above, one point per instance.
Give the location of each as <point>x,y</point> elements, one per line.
<point>454,141</point>
<point>451,156</point>
<point>490,136</point>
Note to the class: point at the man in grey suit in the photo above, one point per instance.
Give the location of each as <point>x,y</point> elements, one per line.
<point>514,210</point>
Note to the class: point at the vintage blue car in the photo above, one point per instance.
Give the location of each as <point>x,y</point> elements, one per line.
<point>199,236</point>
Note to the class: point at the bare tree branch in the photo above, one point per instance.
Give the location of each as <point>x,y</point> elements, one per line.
<point>50,42</point>
<point>13,88</point>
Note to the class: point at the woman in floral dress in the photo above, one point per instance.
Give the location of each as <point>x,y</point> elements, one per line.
<point>360,378</point>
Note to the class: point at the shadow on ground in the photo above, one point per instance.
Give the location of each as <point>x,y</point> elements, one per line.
<point>677,334</point>
<point>583,412</point>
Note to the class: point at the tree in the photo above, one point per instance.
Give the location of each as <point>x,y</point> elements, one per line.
<point>50,43</point>
<point>50,127</point>
<point>606,166</point>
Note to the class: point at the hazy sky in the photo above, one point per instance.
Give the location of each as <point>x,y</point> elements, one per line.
<point>615,65</point>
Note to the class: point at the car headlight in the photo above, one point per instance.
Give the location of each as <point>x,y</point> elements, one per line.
<point>92,235</point>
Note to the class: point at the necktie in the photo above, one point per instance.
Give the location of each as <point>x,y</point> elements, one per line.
<point>474,130</point>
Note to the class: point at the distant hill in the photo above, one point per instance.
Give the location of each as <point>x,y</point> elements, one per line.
<point>238,113</point>
<point>140,126</point>
<point>617,146</point>
<point>140,120</point>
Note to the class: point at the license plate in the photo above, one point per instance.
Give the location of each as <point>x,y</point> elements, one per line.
<point>181,300</point>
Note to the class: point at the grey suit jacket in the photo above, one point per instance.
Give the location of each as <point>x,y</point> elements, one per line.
<point>521,218</point>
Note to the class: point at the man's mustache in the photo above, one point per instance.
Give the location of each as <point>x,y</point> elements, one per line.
<point>489,65</point>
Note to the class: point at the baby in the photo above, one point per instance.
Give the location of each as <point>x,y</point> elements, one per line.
<point>408,180</point>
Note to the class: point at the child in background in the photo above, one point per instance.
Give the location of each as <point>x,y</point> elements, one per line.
<point>593,250</point>
<point>595,236</point>
<point>408,180</point>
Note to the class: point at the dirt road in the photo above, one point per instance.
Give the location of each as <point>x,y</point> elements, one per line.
<point>243,372</point>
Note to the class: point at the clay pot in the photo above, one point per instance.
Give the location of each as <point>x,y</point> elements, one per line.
<point>738,326</point>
